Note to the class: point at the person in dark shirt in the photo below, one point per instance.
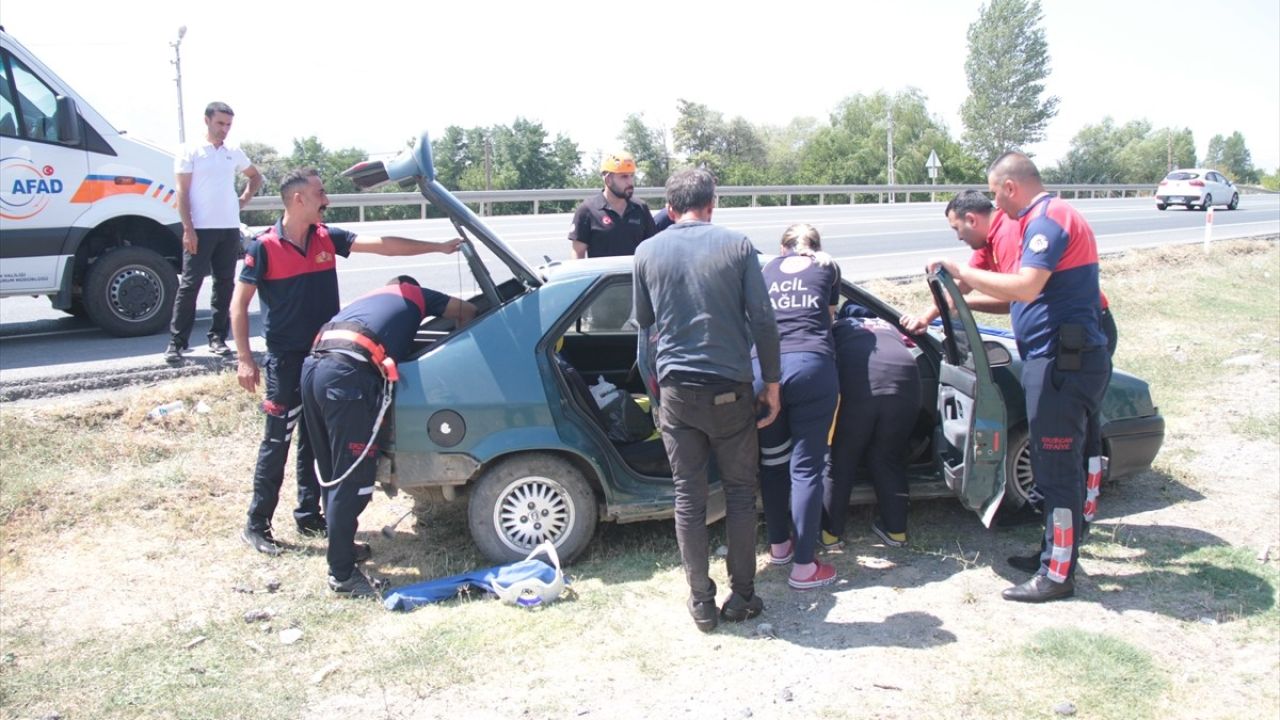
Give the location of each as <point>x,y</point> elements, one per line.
<point>611,223</point>
<point>804,288</point>
<point>662,220</point>
<point>291,268</point>
<point>346,390</point>
<point>880,395</point>
<point>698,281</point>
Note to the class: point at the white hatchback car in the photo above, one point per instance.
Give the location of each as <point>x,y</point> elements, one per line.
<point>1200,187</point>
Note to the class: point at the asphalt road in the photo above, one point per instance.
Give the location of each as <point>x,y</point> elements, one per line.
<point>42,348</point>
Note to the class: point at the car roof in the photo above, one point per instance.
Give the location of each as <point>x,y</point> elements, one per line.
<point>560,270</point>
<point>1192,170</point>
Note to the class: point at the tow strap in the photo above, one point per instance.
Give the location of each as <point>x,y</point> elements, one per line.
<point>354,339</point>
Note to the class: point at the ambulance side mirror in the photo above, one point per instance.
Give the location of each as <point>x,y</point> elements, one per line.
<point>68,121</point>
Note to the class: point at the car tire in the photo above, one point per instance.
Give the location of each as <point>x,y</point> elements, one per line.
<point>556,494</point>
<point>1018,479</point>
<point>1235,201</point>
<point>1161,206</point>
<point>1208,202</point>
<point>129,292</point>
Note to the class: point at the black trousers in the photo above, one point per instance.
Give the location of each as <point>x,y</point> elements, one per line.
<point>283,407</point>
<point>340,401</point>
<point>1059,403</point>
<point>875,432</point>
<point>697,423</point>
<point>216,252</point>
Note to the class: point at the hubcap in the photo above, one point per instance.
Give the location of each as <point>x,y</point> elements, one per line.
<point>1022,476</point>
<point>533,510</point>
<point>134,293</point>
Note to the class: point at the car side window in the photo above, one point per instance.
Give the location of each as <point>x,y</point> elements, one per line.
<point>963,350</point>
<point>609,311</point>
<point>37,104</point>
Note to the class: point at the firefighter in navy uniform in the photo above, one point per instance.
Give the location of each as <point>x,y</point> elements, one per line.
<point>291,268</point>
<point>346,391</point>
<point>1054,301</point>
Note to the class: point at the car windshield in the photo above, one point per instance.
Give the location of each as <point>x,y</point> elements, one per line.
<point>1182,175</point>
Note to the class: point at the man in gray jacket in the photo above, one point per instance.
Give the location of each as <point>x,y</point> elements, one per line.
<point>699,286</point>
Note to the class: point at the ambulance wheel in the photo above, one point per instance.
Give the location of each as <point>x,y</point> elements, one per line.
<point>129,292</point>
<point>529,499</point>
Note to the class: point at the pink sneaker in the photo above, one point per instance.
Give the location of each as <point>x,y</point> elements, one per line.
<point>822,575</point>
<point>784,558</point>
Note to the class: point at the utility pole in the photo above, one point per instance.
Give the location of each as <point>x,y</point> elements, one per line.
<point>177,63</point>
<point>488,170</point>
<point>1168,138</point>
<point>892,176</point>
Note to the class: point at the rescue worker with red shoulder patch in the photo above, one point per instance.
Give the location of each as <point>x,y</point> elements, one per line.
<point>347,384</point>
<point>1054,301</point>
<point>292,268</point>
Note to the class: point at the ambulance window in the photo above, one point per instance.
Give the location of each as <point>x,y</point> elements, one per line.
<point>8,114</point>
<point>37,103</point>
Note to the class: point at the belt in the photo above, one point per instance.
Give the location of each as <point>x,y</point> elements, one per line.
<point>347,339</point>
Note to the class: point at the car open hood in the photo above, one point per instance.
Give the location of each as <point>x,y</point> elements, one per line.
<point>415,166</point>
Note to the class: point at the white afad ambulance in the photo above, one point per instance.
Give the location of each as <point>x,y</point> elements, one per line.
<point>88,216</point>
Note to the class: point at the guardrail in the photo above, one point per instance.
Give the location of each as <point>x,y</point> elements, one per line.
<point>846,195</point>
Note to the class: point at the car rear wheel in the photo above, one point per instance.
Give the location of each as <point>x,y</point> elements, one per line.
<point>1235,201</point>
<point>1208,202</point>
<point>1161,206</point>
<point>529,499</point>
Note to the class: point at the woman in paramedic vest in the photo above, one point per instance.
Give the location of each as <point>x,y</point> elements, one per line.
<point>804,287</point>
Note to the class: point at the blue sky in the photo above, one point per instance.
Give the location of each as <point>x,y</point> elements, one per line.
<point>372,78</point>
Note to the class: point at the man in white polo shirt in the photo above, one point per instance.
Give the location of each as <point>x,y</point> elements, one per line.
<point>210,212</point>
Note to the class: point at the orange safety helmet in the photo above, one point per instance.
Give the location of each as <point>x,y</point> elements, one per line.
<point>618,162</point>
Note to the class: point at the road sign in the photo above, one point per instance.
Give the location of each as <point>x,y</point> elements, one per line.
<point>933,165</point>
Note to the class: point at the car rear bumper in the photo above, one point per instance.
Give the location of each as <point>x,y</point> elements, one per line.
<point>1132,444</point>
<point>1179,199</point>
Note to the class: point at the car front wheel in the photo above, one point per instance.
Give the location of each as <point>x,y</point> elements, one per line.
<point>1235,201</point>
<point>1161,206</point>
<point>529,499</point>
<point>1018,479</point>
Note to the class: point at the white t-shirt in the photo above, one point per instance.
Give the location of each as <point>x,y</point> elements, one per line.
<point>214,202</point>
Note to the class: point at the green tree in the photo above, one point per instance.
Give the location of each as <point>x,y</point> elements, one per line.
<point>1231,156</point>
<point>309,152</point>
<point>1007,64</point>
<point>1270,182</point>
<point>649,145</point>
<point>1129,153</point>
<point>520,156</point>
<point>733,150</point>
<point>853,150</point>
